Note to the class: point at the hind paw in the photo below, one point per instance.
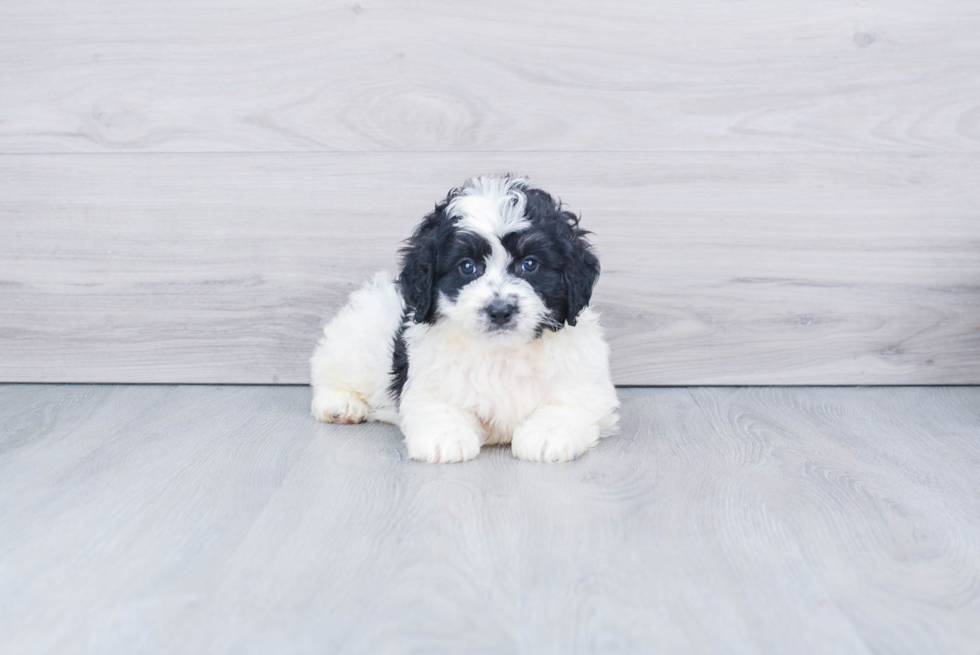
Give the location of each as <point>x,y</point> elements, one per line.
<point>336,406</point>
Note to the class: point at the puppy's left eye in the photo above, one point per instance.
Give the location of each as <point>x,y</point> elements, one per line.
<point>529,265</point>
<point>467,267</point>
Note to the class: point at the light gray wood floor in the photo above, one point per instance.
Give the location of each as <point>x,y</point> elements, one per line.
<point>183,519</point>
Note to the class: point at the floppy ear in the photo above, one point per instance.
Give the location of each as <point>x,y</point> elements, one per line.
<point>418,270</point>
<point>581,272</point>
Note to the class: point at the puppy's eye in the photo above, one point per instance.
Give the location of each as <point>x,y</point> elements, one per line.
<point>467,267</point>
<point>529,265</point>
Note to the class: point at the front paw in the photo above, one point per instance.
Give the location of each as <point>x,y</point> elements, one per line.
<point>536,442</point>
<point>442,446</point>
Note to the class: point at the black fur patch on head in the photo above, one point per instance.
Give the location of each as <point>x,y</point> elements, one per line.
<point>431,262</point>
<point>419,262</point>
<point>458,248</point>
<point>567,269</point>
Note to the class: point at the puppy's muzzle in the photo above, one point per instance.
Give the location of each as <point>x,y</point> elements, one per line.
<point>501,312</point>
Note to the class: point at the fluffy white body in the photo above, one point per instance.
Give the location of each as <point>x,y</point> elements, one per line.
<point>351,367</point>
<point>551,398</point>
<point>473,378</point>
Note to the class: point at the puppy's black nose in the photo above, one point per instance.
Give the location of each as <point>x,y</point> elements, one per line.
<point>501,311</point>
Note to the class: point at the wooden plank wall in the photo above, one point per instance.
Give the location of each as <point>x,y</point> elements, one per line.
<point>782,193</point>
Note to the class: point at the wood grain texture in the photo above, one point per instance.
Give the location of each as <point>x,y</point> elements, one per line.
<point>384,75</point>
<point>718,268</point>
<point>219,520</point>
<point>704,143</point>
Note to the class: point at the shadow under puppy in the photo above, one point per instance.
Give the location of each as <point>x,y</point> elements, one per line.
<point>485,337</point>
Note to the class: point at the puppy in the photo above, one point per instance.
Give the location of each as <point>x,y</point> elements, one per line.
<point>485,337</point>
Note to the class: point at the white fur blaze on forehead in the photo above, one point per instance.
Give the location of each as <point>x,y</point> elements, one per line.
<point>497,262</point>
<point>491,206</point>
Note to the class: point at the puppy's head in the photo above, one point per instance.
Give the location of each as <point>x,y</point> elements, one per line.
<point>498,258</point>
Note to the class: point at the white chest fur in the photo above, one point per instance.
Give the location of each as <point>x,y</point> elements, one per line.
<point>501,383</point>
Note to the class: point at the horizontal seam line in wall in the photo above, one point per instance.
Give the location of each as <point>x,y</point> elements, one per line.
<point>877,153</point>
<point>618,386</point>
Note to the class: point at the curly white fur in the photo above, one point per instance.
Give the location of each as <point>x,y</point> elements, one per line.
<point>547,392</point>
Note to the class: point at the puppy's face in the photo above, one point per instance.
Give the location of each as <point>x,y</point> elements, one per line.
<point>498,259</point>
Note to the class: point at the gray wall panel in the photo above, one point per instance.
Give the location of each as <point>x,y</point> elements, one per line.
<point>302,75</point>
<point>718,268</point>
<point>781,192</point>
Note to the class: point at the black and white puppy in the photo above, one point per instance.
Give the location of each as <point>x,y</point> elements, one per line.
<point>485,337</point>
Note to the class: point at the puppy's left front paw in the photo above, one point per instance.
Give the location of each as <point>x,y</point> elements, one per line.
<point>541,443</point>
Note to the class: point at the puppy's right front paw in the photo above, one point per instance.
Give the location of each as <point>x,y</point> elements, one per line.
<point>443,446</point>
<point>336,406</point>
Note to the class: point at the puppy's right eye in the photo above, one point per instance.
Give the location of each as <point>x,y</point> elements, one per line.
<point>467,267</point>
